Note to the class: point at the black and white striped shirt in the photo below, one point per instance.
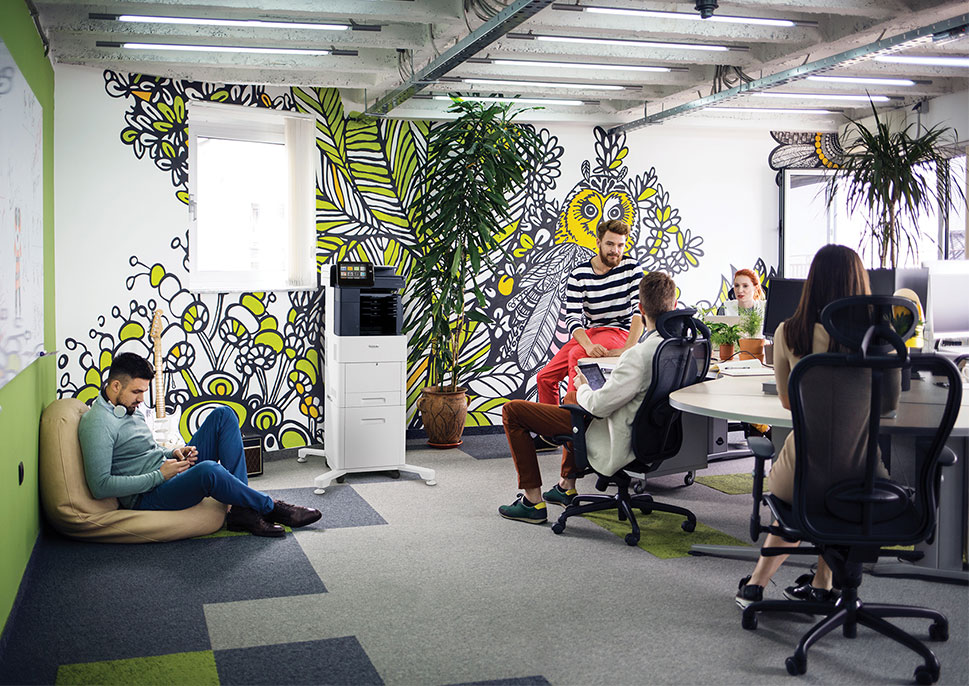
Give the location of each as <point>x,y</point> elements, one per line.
<point>609,299</point>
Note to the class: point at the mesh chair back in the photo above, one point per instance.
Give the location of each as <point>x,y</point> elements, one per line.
<point>845,410</point>
<point>681,359</point>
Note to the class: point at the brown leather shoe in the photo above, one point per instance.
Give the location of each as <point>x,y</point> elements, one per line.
<point>242,518</point>
<point>293,516</point>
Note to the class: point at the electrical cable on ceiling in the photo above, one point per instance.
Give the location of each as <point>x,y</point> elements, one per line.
<point>726,77</point>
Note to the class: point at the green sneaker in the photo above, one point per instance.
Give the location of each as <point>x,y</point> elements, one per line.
<point>556,496</point>
<point>518,510</point>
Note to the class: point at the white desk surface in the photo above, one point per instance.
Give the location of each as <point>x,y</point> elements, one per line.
<point>742,399</point>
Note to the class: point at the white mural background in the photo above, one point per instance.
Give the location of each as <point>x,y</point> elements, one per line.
<point>120,245</point>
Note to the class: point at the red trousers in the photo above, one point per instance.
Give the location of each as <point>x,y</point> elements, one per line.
<point>521,417</point>
<point>563,364</point>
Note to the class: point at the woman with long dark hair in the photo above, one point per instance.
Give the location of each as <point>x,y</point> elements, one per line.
<point>836,272</point>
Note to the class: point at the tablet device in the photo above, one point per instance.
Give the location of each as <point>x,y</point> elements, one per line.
<point>593,374</point>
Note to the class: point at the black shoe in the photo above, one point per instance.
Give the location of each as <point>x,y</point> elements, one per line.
<point>242,518</point>
<point>293,516</point>
<point>803,590</point>
<point>543,445</point>
<point>748,593</point>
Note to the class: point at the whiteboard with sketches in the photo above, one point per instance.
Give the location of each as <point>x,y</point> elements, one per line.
<point>21,221</point>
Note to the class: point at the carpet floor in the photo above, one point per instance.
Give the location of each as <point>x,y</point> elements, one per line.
<point>404,583</point>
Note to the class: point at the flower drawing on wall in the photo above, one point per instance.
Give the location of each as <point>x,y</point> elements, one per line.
<point>804,150</point>
<point>257,353</point>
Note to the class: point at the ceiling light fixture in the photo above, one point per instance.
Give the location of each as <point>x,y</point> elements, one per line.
<point>925,60</point>
<point>824,96</point>
<point>768,110</point>
<point>626,43</point>
<point>217,48</point>
<point>870,80</point>
<point>544,84</point>
<point>582,65</point>
<point>245,23</point>
<point>524,101</point>
<point>656,14</point>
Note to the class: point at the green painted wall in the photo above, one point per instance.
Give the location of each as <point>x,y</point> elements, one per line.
<point>23,399</point>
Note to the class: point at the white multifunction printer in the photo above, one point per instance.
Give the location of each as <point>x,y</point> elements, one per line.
<point>365,370</point>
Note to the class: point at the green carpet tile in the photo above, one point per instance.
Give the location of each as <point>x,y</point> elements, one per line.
<point>661,535</point>
<point>197,668</point>
<point>731,484</point>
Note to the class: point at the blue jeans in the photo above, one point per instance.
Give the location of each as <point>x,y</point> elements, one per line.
<point>220,471</point>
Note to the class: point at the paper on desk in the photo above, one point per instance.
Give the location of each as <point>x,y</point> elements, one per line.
<point>753,371</point>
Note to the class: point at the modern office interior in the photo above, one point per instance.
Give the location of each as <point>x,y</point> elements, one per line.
<point>712,128</point>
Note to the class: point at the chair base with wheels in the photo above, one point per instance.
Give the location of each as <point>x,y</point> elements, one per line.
<point>624,503</point>
<point>849,611</point>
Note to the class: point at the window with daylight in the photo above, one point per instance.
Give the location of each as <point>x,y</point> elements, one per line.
<point>252,191</point>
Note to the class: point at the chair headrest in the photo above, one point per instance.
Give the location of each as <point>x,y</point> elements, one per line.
<point>679,323</point>
<point>872,324</point>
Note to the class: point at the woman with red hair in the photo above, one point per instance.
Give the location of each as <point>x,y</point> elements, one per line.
<point>748,294</point>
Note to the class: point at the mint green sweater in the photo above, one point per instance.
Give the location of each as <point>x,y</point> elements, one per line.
<point>121,458</point>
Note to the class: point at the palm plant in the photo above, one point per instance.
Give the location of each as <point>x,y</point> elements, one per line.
<point>474,163</point>
<point>885,172</point>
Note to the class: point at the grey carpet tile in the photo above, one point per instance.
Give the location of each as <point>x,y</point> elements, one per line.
<point>486,447</point>
<point>336,661</point>
<point>92,601</point>
<point>512,681</point>
<point>341,506</point>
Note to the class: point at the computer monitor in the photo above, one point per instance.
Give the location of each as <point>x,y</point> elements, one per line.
<point>782,299</point>
<point>946,312</point>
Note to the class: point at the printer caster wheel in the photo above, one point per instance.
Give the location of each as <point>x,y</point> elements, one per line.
<point>341,479</point>
<point>393,473</point>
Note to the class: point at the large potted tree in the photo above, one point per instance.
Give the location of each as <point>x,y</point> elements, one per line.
<point>888,174</point>
<point>474,164</point>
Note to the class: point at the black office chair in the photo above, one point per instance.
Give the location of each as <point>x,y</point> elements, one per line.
<point>681,359</point>
<point>840,505</point>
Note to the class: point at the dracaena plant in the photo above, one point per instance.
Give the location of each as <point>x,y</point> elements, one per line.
<point>885,172</point>
<point>475,163</point>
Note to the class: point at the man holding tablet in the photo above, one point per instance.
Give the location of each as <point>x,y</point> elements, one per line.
<point>609,436</point>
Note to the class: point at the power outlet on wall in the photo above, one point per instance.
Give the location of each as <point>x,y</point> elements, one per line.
<point>20,474</point>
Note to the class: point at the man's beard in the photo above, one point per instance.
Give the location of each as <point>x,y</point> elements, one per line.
<point>610,261</point>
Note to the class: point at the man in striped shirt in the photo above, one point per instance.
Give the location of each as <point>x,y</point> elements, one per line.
<point>601,299</point>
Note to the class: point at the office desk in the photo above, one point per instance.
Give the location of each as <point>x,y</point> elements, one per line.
<point>742,399</point>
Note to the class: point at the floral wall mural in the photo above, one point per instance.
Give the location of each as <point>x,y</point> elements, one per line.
<point>260,353</point>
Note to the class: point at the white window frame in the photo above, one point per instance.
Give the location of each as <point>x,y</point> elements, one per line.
<point>295,130</point>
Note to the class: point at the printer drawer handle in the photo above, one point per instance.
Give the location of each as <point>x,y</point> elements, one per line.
<point>373,420</point>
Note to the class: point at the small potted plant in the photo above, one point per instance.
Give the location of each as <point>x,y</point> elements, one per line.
<point>752,342</point>
<point>726,336</point>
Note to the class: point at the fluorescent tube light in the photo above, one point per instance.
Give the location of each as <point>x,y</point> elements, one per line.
<point>247,23</point>
<point>223,48</point>
<point>768,110</point>
<point>633,43</point>
<point>871,80</point>
<point>544,84</point>
<point>526,101</point>
<point>579,65</point>
<point>824,96</point>
<point>725,19</point>
<point>925,60</point>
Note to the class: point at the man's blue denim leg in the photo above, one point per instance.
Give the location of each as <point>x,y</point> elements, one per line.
<point>220,471</point>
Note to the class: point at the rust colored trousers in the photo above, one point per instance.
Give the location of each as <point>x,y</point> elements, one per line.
<point>521,417</point>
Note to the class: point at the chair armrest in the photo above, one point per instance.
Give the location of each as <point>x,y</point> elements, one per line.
<point>763,450</point>
<point>947,458</point>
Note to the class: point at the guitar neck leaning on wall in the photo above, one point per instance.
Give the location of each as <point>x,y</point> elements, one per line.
<point>164,428</point>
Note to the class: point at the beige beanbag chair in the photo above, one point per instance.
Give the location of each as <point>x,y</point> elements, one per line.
<point>74,512</point>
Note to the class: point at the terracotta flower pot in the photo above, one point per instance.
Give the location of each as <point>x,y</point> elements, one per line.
<point>751,348</point>
<point>443,414</point>
<point>726,352</point>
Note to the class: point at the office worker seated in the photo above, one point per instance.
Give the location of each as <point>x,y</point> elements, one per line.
<point>836,272</point>
<point>609,437</point>
<point>121,459</point>
<point>747,293</point>
<point>600,310</point>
